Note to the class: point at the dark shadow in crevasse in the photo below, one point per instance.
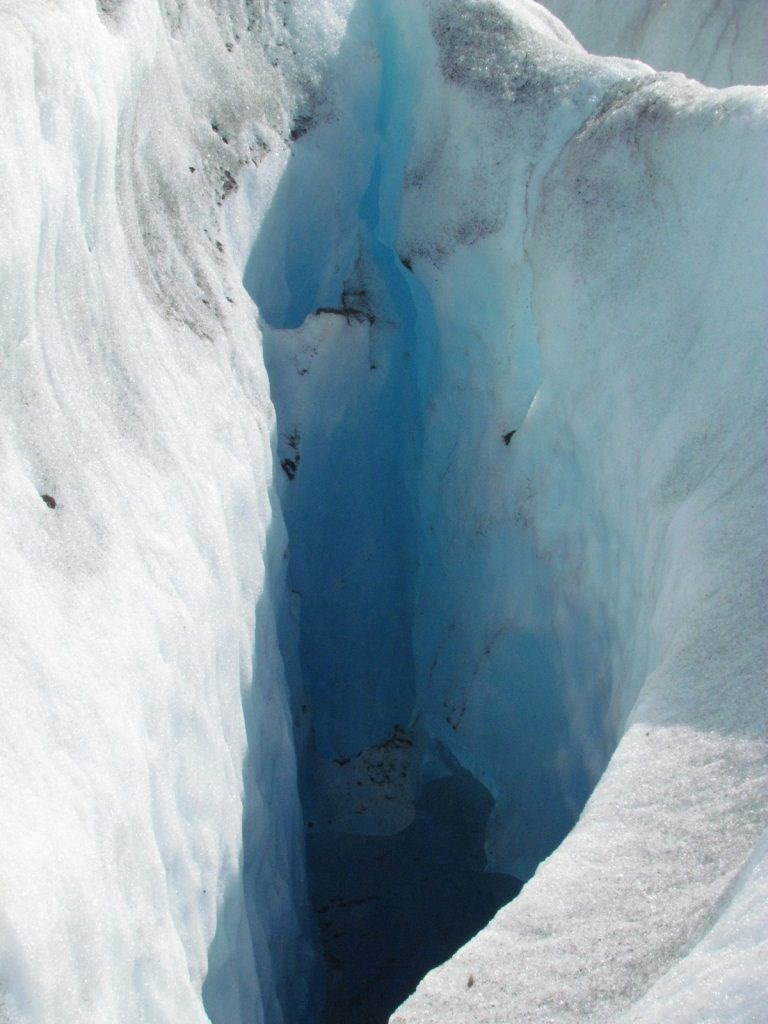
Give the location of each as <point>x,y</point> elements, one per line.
<point>390,908</point>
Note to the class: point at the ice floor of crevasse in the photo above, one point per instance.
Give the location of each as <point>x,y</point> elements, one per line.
<point>392,907</point>
<point>397,825</point>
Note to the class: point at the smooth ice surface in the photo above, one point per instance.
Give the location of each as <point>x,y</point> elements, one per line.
<point>512,301</point>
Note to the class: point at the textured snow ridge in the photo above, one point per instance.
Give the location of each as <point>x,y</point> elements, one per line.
<point>504,523</point>
<point>148,806</point>
<point>718,42</point>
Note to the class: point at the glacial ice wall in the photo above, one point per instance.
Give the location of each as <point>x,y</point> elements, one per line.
<point>573,499</point>
<point>625,213</point>
<point>148,803</point>
<point>511,297</point>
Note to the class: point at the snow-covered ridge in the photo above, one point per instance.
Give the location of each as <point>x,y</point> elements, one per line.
<point>142,765</point>
<point>512,302</point>
<point>719,43</point>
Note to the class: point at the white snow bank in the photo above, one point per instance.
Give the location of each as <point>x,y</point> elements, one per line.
<point>148,801</point>
<point>720,43</point>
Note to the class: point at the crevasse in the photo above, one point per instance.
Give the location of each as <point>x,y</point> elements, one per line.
<point>512,297</point>
<point>356,361</point>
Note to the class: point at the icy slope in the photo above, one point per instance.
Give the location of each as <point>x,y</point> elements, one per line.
<point>718,42</point>
<point>608,230</point>
<point>148,806</point>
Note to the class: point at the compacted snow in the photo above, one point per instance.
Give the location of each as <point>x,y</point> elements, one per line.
<point>718,42</point>
<point>383,501</point>
<point>151,849</point>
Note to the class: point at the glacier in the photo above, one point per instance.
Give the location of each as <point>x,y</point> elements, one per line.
<point>384,499</point>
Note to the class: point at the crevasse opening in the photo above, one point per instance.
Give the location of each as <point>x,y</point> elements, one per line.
<point>420,823</point>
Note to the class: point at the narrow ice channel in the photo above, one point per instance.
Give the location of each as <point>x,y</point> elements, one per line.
<point>414,836</point>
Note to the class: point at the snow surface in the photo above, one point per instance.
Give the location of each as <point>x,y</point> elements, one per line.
<point>512,302</point>
<point>148,802</point>
<point>717,42</point>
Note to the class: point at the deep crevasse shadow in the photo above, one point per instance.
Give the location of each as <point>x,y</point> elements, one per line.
<point>396,846</point>
<point>392,907</point>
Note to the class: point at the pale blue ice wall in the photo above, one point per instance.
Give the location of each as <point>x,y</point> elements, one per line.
<point>417,595</point>
<point>635,205</point>
<point>353,407</point>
